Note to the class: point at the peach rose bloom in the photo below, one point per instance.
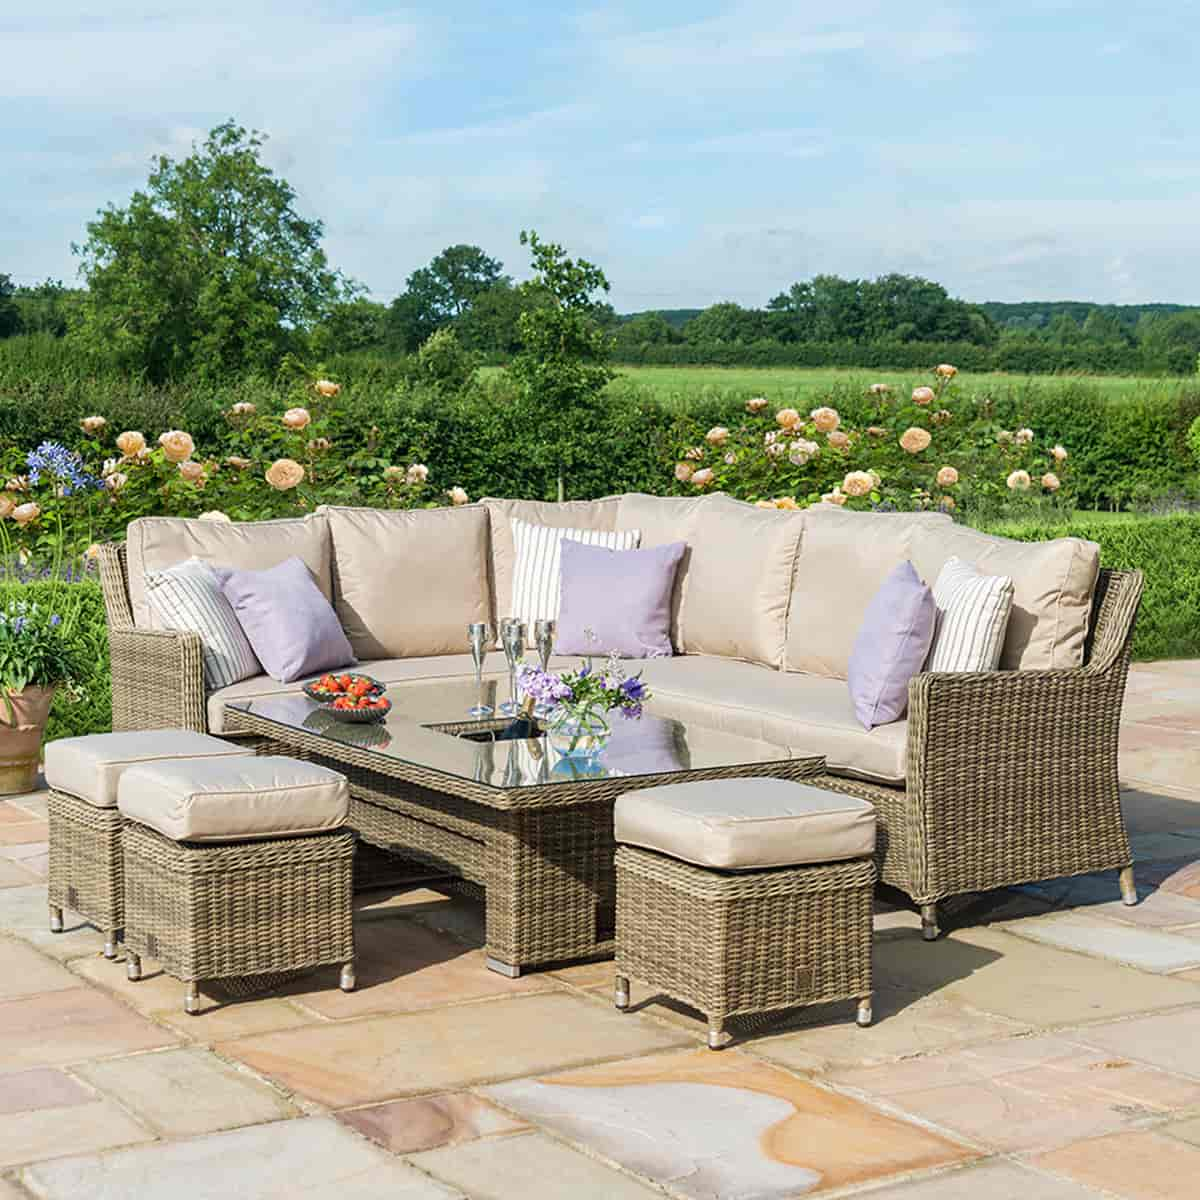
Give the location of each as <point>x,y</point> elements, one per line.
<point>18,483</point>
<point>177,446</point>
<point>319,445</point>
<point>244,408</point>
<point>1019,481</point>
<point>703,477</point>
<point>92,424</point>
<point>216,515</point>
<point>922,395</point>
<point>801,451</point>
<point>857,483</point>
<point>825,419</point>
<point>788,418</point>
<point>238,463</point>
<point>458,496</point>
<point>1051,482</point>
<point>695,453</point>
<point>116,480</point>
<point>880,389</point>
<point>284,474</point>
<point>876,431</point>
<point>193,472</point>
<point>941,417</point>
<point>326,387</point>
<point>947,477</point>
<point>131,443</point>
<point>945,371</point>
<point>838,440</point>
<point>787,503</point>
<point>394,474</point>
<point>296,418</point>
<point>777,449</point>
<point>834,497</point>
<point>914,439</point>
<point>24,513</point>
<point>757,404</point>
<point>417,473</point>
<point>718,435</point>
<point>764,504</point>
<point>1004,437</point>
<point>684,471</point>
<point>1059,453</point>
<point>1023,437</point>
<point>946,504</point>
<point>6,507</point>
<point>92,552</point>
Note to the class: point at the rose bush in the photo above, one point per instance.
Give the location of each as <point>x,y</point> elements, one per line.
<point>937,449</point>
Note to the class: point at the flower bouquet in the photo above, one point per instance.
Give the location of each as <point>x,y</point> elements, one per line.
<point>580,702</point>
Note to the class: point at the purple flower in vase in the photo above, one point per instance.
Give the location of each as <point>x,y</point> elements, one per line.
<point>633,689</point>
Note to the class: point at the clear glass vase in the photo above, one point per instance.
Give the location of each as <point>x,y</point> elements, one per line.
<point>578,733</point>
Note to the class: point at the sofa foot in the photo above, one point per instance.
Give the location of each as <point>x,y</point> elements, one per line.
<point>133,966</point>
<point>502,968</point>
<point>929,922</point>
<point>1128,887</point>
<point>864,1016</point>
<point>191,999</point>
<point>110,943</point>
<point>621,993</point>
<point>348,981</point>
<point>56,919</point>
<point>716,1034</point>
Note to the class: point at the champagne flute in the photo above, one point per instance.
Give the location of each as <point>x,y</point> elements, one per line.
<point>479,637</point>
<point>512,638</point>
<point>543,641</point>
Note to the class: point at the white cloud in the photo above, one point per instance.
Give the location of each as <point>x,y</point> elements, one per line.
<point>776,143</point>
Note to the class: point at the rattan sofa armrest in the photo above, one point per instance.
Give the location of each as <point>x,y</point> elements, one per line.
<point>157,679</point>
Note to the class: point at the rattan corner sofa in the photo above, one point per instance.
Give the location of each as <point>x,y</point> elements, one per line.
<point>994,779</point>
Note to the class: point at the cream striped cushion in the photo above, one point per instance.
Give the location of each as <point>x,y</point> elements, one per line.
<point>972,615</point>
<point>536,573</point>
<point>188,596</point>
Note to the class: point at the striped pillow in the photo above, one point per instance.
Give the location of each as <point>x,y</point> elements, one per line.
<point>972,615</point>
<point>536,572</point>
<point>188,596</point>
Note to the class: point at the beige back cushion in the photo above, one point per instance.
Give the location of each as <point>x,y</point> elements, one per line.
<point>408,583</point>
<point>1053,584</point>
<point>570,514</point>
<point>845,558</point>
<point>154,543</point>
<point>663,520</point>
<point>735,598</point>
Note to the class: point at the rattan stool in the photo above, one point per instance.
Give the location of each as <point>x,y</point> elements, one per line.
<point>237,868</point>
<point>744,897</point>
<point>85,825</point>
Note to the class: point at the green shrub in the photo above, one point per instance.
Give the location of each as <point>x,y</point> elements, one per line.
<point>86,706</point>
<point>1166,549</point>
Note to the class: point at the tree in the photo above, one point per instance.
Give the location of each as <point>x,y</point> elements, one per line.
<point>726,322</point>
<point>10,314</point>
<point>47,307</point>
<point>442,292</point>
<point>564,362</point>
<point>492,324</point>
<point>211,269</point>
<point>357,324</point>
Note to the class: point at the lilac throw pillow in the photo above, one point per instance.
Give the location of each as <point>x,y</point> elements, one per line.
<point>622,596</point>
<point>891,647</point>
<point>292,627</point>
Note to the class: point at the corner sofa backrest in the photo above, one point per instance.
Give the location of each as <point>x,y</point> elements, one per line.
<point>153,543</point>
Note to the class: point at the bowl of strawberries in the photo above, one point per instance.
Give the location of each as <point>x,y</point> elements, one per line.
<point>350,697</point>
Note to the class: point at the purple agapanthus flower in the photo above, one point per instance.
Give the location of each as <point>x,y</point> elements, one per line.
<point>62,465</point>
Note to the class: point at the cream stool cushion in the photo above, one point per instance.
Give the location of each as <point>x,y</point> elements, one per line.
<point>744,824</point>
<point>90,767</point>
<point>234,799</point>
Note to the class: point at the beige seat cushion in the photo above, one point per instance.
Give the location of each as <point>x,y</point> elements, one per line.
<point>153,543</point>
<point>571,514</point>
<point>386,670</point>
<point>90,767</point>
<point>806,713</point>
<point>844,560</point>
<point>1053,586</point>
<point>408,582</point>
<point>234,799</point>
<point>741,824</point>
<point>739,579</point>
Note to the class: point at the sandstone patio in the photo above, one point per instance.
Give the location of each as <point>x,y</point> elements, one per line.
<point>1048,1048</point>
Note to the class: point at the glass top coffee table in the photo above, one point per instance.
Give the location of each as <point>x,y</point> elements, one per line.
<point>528,827</point>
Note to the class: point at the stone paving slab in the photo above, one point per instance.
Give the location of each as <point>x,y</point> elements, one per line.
<point>1168,1041</point>
<point>1025,1094</point>
<point>1150,949</point>
<point>25,914</point>
<point>427,1122</point>
<point>989,1181</point>
<point>529,1167</point>
<point>1135,1166</point>
<point>313,1156</point>
<point>708,1126</point>
<point>70,1026</point>
<point>13,874</point>
<point>25,972</point>
<point>350,1063</point>
<point>179,1093</point>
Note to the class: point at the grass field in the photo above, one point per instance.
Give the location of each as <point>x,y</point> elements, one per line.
<point>797,386</point>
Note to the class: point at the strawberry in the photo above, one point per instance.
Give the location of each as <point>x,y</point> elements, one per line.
<point>343,682</point>
<point>361,686</point>
<point>327,683</point>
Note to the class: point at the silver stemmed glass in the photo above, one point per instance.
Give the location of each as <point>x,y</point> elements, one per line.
<point>512,638</point>
<point>479,637</point>
<point>543,642</point>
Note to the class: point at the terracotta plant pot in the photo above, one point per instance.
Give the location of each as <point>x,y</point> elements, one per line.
<point>21,732</point>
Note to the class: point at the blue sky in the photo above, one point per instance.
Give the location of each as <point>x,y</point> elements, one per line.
<point>701,151</point>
